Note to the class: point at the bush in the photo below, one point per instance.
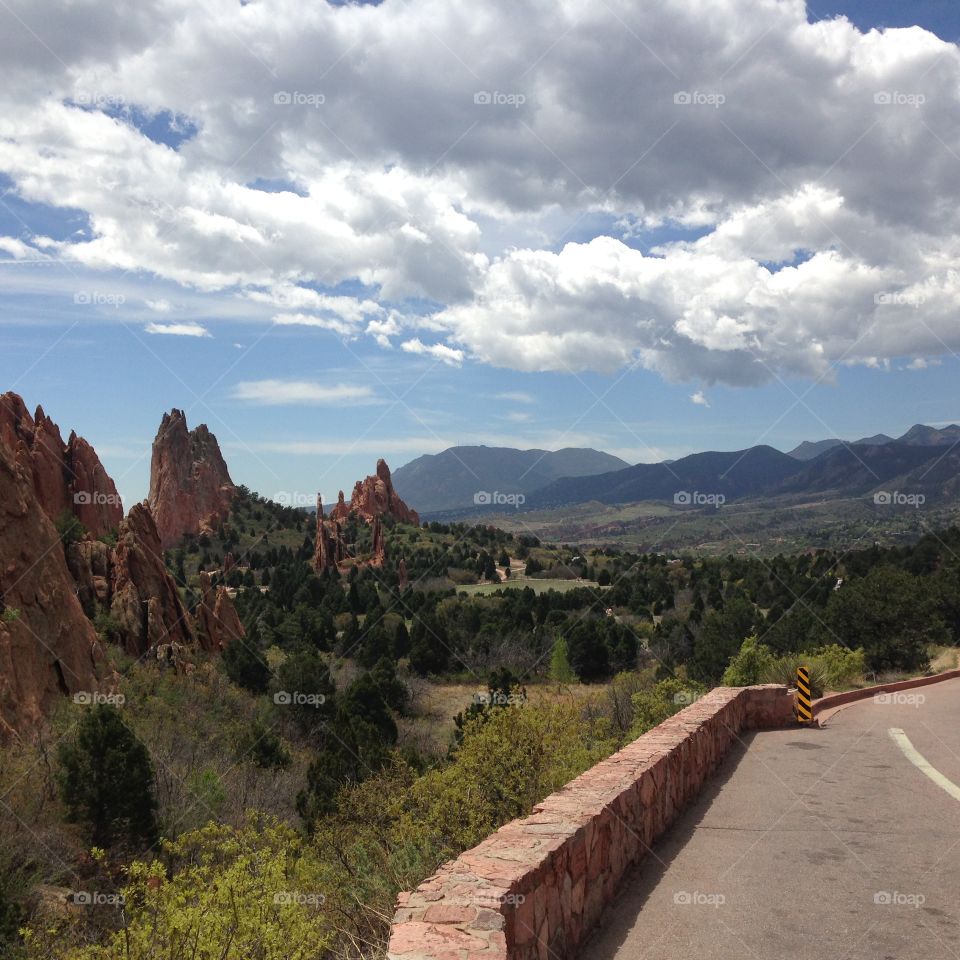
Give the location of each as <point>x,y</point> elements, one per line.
<point>652,707</point>
<point>253,892</point>
<point>69,528</point>
<point>841,666</point>
<point>508,760</point>
<point>749,666</point>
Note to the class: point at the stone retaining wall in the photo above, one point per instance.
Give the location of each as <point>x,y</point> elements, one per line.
<point>536,887</point>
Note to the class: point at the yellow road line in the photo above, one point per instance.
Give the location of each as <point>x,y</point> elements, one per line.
<point>921,762</point>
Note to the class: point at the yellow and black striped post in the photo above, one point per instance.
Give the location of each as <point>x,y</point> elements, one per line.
<point>804,703</point>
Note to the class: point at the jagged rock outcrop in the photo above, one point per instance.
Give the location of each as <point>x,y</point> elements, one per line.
<point>95,501</point>
<point>91,565</point>
<point>48,648</point>
<point>145,600</point>
<point>402,576</point>
<point>375,497</point>
<point>341,511</point>
<point>329,550</point>
<point>379,546</point>
<point>190,486</point>
<point>66,476</point>
<point>217,618</point>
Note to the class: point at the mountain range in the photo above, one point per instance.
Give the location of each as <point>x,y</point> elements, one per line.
<point>450,481</point>
<point>924,460</point>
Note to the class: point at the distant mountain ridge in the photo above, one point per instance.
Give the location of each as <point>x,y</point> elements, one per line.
<point>732,474</point>
<point>918,435</point>
<point>449,481</point>
<point>923,460</point>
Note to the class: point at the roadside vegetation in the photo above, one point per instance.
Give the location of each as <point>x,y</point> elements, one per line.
<point>271,802</point>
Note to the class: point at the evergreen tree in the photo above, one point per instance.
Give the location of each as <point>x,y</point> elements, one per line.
<point>106,780</point>
<point>304,688</point>
<point>244,664</point>
<point>401,641</point>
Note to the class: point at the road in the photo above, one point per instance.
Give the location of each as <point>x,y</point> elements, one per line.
<point>811,843</point>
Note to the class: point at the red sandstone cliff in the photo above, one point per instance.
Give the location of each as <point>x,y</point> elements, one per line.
<point>65,477</point>
<point>145,600</point>
<point>190,486</point>
<point>329,549</point>
<point>375,497</point>
<point>217,617</point>
<point>48,648</point>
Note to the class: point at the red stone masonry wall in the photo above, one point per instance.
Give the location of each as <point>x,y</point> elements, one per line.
<point>536,887</point>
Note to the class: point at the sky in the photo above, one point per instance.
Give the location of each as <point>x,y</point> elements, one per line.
<point>335,232</point>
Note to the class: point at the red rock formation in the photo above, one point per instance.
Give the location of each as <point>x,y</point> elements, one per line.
<point>145,598</point>
<point>379,546</point>
<point>50,475</point>
<point>66,477</point>
<point>217,617</point>
<point>190,486</point>
<point>96,503</point>
<point>48,648</point>
<point>402,575</point>
<point>375,496</point>
<point>341,511</point>
<point>91,565</point>
<point>329,549</point>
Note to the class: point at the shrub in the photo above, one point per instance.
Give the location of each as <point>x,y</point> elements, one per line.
<point>749,666</point>
<point>69,528</point>
<point>667,697</point>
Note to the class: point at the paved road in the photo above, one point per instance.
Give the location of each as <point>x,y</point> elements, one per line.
<point>811,844</point>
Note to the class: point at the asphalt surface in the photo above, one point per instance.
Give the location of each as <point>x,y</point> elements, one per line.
<point>811,843</point>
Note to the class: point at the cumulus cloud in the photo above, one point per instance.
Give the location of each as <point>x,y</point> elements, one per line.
<point>819,160</point>
<point>287,392</point>
<point>699,399</point>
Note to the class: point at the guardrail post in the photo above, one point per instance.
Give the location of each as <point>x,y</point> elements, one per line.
<point>804,701</point>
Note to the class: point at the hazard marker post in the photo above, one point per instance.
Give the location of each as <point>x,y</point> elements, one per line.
<point>804,702</point>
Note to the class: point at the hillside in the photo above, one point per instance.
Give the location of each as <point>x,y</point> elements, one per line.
<point>449,481</point>
<point>731,475</point>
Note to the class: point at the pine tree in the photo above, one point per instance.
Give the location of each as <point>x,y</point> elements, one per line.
<point>244,664</point>
<point>106,780</point>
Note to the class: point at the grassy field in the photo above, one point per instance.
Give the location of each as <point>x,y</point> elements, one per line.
<point>757,528</point>
<point>537,584</point>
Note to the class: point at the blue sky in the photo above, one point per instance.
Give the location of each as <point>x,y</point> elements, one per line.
<point>108,327</point>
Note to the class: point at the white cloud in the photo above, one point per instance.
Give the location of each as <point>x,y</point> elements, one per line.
<point>825,178</point>
<point>286,392</point>
<point>333,324</point>
<point>178,329</point>
<point>159,306</point>
<point>515,396</point>
<point>439,351</point>
<point>17,248</point>
<point>699,399</point>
